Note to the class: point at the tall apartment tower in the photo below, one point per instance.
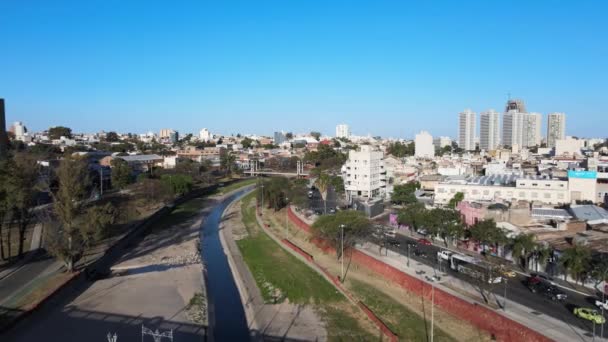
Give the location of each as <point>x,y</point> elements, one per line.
<point>424,147</point>
<point>466,130</point>
<point>515,105</point>
<point>3,135</point>
<point>531,134</point>
<point>556,128</point>
<point>342,131</point>
<point>489,130</point>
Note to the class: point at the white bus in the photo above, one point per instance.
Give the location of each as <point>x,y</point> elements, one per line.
<point>474,268</point>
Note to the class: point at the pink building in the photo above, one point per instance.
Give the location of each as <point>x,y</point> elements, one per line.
<point>471,212</point>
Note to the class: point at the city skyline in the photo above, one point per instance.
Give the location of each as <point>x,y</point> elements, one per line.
<point>111,67</point>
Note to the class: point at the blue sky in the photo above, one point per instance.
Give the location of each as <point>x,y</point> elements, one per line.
<point>388,68</point>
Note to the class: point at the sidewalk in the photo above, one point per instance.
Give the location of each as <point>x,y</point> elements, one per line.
<point>548,326</point>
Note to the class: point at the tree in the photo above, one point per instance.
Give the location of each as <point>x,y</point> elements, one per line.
<point>487,233</point>
<point>275,192</point>
<point>576,261</point>
<point>112,137</point>
<point>523,246</point>
<point>96,221</point>
<point>412,216</point>
<point>458,197</point>
<point>322,183</point>
<point>22,190</point>
<point>444,223</point>
<point>178,184</point>
<point>404,193</point>
<point>316,135</point>
<point>289,136</point>
<point>401,150</point>
<point>59,131</point>
<point>68,201</point>
<point>4,207</point>
<point>227,162</point>
<point>247,143</point>
<point>121,173</point>
<point>356,227</point>
<point>325,158</point>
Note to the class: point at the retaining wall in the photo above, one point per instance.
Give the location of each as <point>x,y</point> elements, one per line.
<point>501,327</point>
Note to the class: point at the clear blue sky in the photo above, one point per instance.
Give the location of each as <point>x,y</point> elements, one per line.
<point>388,68</point>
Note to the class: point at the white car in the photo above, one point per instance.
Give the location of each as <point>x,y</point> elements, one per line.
<point>445,255</point>
<point>601,304</point>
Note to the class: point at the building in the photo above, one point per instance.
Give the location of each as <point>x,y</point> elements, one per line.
<point>3,135</point>
<point>364,174</point>
<point>512,128</point>
<point>466,130</point>
<point>531,130</point>
<point>442,142</point>
<point>205,135</point>
<point>165,133</point>
<point>279,138</point>
<point>515,105</point>
<point>556,128</point>
<point>582,185</point>
<point>173,137</point>
<point>510,188</point>
<point>489,130</point>
<point>424,147</point>
<point>568,147</point>
<point>342,131</point>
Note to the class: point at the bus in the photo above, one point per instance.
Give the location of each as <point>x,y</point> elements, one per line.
<point>474,268</point>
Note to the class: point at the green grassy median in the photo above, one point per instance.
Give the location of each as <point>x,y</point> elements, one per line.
<point>281,276</point>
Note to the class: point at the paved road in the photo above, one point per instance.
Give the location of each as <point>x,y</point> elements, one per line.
<point>26,273</point>
<point>316,203</point>
<point>516,290</point>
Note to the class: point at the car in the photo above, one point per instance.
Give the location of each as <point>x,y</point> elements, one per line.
<point>220,184</point>
<point>318,212</point>
<point>424,241</point>
<point>393,242</point>
<point>543,278</point>
<point>507,273</point>
<point>420,253</point>
<point>332,210</point>
<point>310,193</point>
<point>589,314</point>
<point>547,290</point>
<point>390,233</point>
<point>444,255</point>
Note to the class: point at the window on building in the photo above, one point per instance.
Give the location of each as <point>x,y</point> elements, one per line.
<point>522,194</point>
<point>534,195</point>
<point>486,192</point>
<point>547,195</point>
<point>560,196</point>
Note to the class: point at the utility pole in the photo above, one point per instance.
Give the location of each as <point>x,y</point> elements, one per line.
<point>100,180</point>
<point>504,305</point>
<point>432,309</point>
<point>287,218</point>
<point>408,254</point>
<point>342,253</point>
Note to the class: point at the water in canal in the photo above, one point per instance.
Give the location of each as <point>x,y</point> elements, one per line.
<point>226,309</point>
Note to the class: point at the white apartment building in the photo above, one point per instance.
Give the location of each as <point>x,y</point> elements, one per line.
<point>466,130</point>
<point>489,130</point>
<point>205,135</point>
<point>504,187</point>
<point>531,135</point>
<point>342,131</point>
<point>556,128</point>
<point>165,133</point>
<point>364,174</point>
<point>423,145</point>
<point>512,128</point>
<point>442,142</point>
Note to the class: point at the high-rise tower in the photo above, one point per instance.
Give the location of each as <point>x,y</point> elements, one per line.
<point>489,130</point>
<point>3,135</point>
<point>466,130</point>
<point>556,128</point>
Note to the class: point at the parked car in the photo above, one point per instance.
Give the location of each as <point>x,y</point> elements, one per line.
<point>390,233</point>
<point>602,304</point>
<point>507,273</point>
<point>424,241</point>
<point>589,314</point>
<point>310,193</point>
<point>332,210</point>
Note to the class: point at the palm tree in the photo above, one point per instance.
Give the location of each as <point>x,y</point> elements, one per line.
<point>576,260</point>
<point>322,183</point>
<point>523,246</point>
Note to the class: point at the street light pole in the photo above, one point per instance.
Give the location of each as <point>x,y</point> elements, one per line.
<point>287,218</point>
<point>432,309</point>
<point>342,253</point>
<point>408,254</point>
<point>504,305</point>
